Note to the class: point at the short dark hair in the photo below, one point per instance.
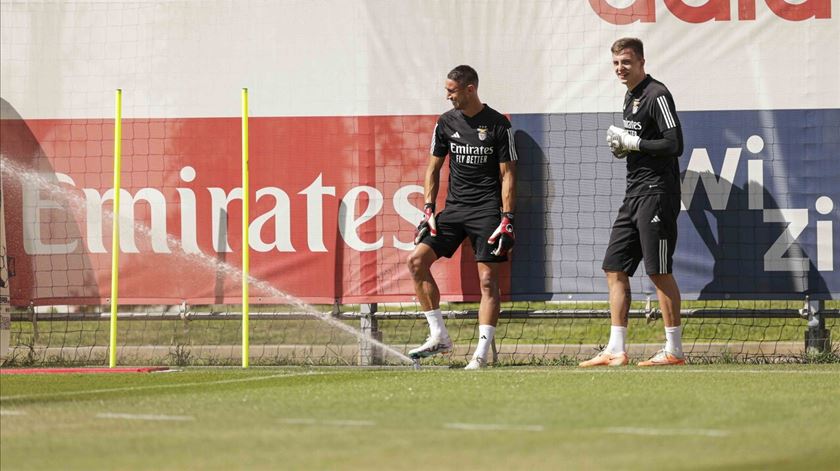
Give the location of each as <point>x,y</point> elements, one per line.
<point>634,44</point>
<point>464,75</point>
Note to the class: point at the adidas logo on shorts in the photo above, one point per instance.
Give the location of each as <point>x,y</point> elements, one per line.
<point>655,219</point>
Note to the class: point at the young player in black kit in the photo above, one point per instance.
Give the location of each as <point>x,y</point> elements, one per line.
<point>479,205</point>
<point>646,227</point>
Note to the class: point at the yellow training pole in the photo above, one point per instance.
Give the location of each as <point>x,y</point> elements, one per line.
<point>245,245</point>
<point>115,243</point>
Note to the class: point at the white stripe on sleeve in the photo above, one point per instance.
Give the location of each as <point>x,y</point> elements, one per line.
<point>666,112</point>
<point>512,145</point>
<point>434,136</point>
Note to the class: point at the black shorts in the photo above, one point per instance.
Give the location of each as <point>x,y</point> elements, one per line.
<point>646,227</point>
<point>454,225</point>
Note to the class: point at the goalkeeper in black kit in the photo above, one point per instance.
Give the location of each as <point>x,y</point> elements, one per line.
<point>479,206</point>
<point>646,226</point>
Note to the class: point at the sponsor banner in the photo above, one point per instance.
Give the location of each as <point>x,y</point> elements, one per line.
<point>334,206</point>
<point>761,205</point>
<point>379,57</point>
<point>335,201</point>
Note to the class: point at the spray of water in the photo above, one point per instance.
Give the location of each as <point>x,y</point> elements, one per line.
<point>77,203</point>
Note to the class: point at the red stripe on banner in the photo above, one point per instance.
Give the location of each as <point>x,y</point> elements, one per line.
<point>332,210</point>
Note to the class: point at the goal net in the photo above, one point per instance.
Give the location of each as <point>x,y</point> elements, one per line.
<point>342,117</point>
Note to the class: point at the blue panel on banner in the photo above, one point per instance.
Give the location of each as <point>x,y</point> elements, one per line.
<point>756,187</point>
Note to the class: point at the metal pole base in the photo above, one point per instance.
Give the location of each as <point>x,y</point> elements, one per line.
<point>817,341</point>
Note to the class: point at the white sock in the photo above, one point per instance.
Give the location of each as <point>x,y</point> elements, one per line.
<point>436,326</point>
<point>618,337</point>
<point>485,339</point>
<point>673,340</point>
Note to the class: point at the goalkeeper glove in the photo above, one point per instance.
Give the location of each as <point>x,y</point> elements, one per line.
<point>617,152</point>
<point>621,142</point>
<point>428,223</point>
<point>503,235</point>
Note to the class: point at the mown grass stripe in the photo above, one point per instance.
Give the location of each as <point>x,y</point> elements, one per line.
<point>667,431</point>
<point>329,423</point>
<point>495,427</point>
<point>152,417</point>
<point>666,370</point>
<point>155,386</point>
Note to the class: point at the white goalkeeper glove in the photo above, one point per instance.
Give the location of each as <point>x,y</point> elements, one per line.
<point>617,151</point>
<point>621,142</point>
<point>428,224</point>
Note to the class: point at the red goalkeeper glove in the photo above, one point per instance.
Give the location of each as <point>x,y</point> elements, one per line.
<point>428,223</point>
<point>503,236</point>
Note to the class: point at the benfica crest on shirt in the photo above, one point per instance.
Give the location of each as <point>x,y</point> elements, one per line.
<point>482,133</point>
<point>636,104</point>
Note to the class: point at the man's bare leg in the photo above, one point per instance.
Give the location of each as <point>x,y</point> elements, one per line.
<point>488,313</point>
<point>420,266</point>
<point>488,310</point>
<point>428,295</point>
<point>619,286</point>
<point>669,298</point>
<point>614,354</point>
<point>669,303</point>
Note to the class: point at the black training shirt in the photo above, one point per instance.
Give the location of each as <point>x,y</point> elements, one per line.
<point>649,111</point>
<point>476,145</point>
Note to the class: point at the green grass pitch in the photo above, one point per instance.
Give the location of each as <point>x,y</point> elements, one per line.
<point>695,417</point>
